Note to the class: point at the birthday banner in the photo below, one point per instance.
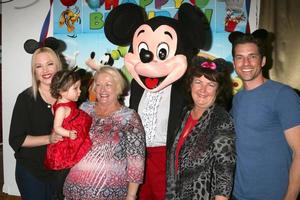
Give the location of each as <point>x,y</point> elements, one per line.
<point>80,24</point>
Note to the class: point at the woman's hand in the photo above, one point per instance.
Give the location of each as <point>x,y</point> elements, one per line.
<point>54,138</point>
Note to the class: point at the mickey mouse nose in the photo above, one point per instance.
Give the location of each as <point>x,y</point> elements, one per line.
<point>146,56</point>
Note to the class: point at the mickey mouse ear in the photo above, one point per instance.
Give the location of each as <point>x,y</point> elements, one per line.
<point>31,45</point>
<point>51,42</point>
<point>195,26</point>
<point>234,35</point>
<point>55,44</point>
<point>223,65</point>
<point>122,21</point>
<point>261,34</point>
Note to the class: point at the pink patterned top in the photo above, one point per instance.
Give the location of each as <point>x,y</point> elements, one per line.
<point>115,159</point>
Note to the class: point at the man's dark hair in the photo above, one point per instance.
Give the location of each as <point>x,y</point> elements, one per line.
<point>258,38</point>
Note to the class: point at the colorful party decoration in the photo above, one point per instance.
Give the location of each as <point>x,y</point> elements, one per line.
<point>68,2</point>
<point>94,4</point>
<point>69,17</point>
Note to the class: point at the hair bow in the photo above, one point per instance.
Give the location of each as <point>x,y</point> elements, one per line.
<point>209,65</point>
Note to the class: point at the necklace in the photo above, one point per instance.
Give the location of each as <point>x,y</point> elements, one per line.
<point>46,96</point>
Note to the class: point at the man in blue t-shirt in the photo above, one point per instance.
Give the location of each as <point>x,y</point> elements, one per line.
<point>267,123</point>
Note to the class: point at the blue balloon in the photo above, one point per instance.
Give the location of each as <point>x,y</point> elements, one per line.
<point>94,4</point>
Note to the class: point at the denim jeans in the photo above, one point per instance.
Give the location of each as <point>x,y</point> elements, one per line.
<point>32,188</point>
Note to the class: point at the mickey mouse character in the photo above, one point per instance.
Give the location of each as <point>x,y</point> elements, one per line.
<point>95,64</point>
<point>160,50</point>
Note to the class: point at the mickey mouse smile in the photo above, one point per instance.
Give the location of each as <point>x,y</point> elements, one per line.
<point>151,83</point>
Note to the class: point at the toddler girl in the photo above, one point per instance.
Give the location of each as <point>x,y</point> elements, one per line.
<point>70,122</point>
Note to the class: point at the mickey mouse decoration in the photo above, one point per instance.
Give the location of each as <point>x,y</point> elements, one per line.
<point>95,64</point>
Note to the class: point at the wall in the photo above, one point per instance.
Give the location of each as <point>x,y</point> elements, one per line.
<point>18,25</point>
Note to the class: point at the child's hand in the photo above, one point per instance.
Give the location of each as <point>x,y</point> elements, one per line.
<point>73,134</point>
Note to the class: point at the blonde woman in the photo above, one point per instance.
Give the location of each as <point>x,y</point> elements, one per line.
<point>31,126</point>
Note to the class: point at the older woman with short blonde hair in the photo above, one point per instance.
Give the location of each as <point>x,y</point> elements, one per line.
<point>114,167</point>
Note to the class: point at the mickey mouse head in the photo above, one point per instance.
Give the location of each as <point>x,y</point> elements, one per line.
<point>160,47</point>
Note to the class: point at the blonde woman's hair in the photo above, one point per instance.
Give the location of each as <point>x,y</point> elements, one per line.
<point>118,77</point>
<point>56,60</point>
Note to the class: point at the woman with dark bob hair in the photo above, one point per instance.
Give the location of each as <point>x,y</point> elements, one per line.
<point>201,161</point>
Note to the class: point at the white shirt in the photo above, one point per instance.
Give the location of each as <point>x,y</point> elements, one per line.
<point>157,116</point>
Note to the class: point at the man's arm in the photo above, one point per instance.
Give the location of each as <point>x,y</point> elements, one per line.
<point>292,136</point>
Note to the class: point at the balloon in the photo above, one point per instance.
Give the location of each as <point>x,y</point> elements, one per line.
<point>68,2</point>
<point>94,4</point>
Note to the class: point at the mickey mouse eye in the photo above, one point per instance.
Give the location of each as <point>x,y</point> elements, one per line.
<point>142,45</point>
<point>162,51</point>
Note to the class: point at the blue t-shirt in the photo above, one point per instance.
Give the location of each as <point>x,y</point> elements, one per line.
<point>264,157</point>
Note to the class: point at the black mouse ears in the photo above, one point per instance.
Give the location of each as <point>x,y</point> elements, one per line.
<point>194,26</point>
<point>223,65</point>
<point>122,21</point>
<point>261,34</point>
<point>56,45</point>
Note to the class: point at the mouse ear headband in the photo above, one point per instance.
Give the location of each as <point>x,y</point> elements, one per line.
<point>261,34</point>
<point>223,65</point>
<point>56,45</point>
